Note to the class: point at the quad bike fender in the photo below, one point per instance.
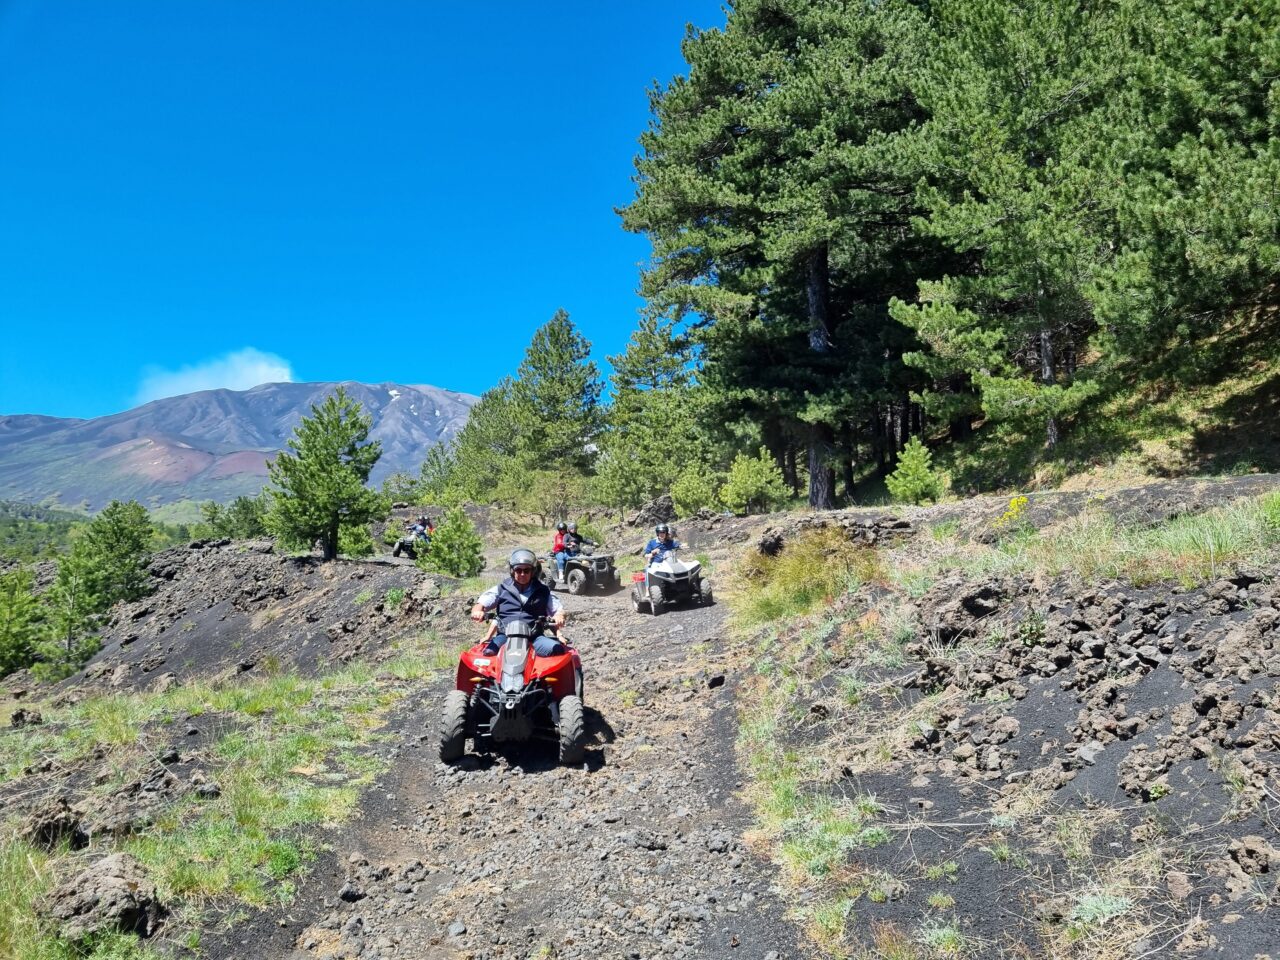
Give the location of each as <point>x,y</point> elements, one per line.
<point>475,666</point>
<point>559,672</point>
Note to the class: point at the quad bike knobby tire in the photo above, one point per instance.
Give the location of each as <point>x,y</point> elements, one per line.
<point>655,599</point>
<point>453,726</point>
<point>573,731</point>
<point>577,581</point>
<point>636,603</point>
<point>707,596</point>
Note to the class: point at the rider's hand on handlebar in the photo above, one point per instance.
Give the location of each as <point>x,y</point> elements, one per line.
<point>477,613</point>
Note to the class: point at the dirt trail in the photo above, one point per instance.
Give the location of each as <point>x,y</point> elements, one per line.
<point>637,855</point>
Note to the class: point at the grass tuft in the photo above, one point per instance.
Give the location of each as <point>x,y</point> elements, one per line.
<point>807,574</point>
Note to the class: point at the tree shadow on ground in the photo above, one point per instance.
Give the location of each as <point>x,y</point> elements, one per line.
<point>1213,401</point>
<point>1245,438</point>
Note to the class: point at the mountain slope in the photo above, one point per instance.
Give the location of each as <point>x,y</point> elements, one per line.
<point>214,444</point>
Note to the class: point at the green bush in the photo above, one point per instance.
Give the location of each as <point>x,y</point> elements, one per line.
<point>695,488</point>
<point>755,484</point>
<point>355,540</point>
<point>19,622</point>
<point>1271,511</point>
<point>456,549</point>
<point>915,480</point>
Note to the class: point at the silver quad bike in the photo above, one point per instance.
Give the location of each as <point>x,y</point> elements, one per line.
<point>669,582</point>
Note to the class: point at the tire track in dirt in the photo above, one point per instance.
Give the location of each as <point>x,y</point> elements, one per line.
<point>637,855</point>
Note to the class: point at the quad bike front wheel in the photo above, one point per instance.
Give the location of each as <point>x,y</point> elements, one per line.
<point>655,599</point>
<point>636,603</point>
<point>707,596</point>
<point>573,731</point>
<point>577,581</point>
<point>453,726</point>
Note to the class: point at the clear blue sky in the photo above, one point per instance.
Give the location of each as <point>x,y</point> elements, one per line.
<point>194,192</point>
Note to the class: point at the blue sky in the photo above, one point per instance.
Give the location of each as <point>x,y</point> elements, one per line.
<point>216,193</point>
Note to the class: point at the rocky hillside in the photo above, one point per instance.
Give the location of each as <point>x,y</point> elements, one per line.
<point>208,445</point>
<point>991,729</point>
<point>1027,730</point>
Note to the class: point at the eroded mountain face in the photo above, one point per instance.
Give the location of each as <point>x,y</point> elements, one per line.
<point>210,445</point>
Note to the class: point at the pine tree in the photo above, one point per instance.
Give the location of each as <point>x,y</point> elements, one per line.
<point>1027,101</point>
<point>485,449</point>
<point>915,480</point>
<point>777,209</point>
<point>117,543</point>
<point>557,393</point>
<point>319,484</point>
<point>456,549</point>
<point>654,421</point>
<point>19,622</point>
<point>754,484</point>
<point>71,607</point>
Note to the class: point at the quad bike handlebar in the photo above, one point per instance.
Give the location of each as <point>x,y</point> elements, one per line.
<point>541,626</point>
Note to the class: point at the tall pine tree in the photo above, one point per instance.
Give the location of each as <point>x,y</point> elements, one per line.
<point>777,207</point>
<point>320,482</point>
<point>557,393</point>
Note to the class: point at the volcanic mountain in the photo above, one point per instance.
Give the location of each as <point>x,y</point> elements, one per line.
<point>210,445</point>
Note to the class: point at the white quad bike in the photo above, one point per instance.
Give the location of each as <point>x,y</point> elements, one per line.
<point>668,582</point>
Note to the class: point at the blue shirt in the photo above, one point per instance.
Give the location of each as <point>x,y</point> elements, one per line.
<point>666,548</point>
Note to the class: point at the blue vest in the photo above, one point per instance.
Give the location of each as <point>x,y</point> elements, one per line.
<point>512,605</point>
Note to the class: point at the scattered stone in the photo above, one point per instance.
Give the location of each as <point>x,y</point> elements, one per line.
<point>52,823</point>
<point>112,895</point>
<point>23,717</point>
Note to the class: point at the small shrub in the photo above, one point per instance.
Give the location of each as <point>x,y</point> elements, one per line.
<point>915,480</point>
<point>1095,909</point>
<point>1270,507</point>
<point>944,938</point>
<point>1014,518</point>
<point>754,485</point>
<point>355,540</point>
<point>363,597</point>
<point>393,598</point>
<point>947,870</point>
<point>456,549</point>
<point>1031,630</point>
<point>695,489</point>
<point>941,901</point>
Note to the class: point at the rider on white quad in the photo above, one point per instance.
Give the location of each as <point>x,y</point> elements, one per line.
<point>667,580</point>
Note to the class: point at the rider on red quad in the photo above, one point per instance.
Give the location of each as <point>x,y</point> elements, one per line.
<point>559,546</point>
<point>522,597</point>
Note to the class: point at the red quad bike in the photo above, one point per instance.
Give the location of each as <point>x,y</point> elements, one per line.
<point>514,696</point>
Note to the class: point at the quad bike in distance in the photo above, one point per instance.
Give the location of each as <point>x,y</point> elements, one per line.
<point>668,582</point>
<point>515,696</point>
<point>582,571</point>
<point>411,543</point>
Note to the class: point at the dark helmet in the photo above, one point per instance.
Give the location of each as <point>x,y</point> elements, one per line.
<point>422,520</point>
<point>573,527</point>
<point>661,528</point>
<point>560,526</point>
<point>521,557</point>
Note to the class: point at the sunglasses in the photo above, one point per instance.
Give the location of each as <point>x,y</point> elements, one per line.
<point>522,569</point>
